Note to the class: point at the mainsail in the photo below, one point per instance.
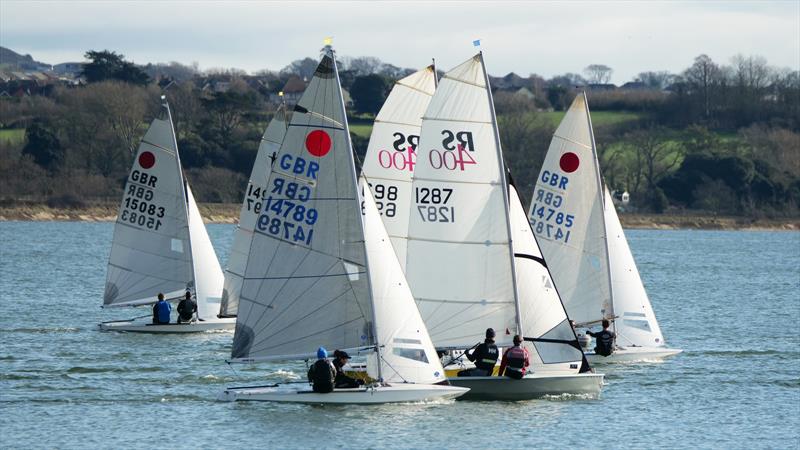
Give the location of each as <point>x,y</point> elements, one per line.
<point>459,260</point>
<point>254,198</point>
<point>305,282</point>
<point>151,250</point>
<point>392,152</point>
<point>566,214</point>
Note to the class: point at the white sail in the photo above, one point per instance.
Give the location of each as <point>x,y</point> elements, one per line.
<point>150,252</point>
<point>637,323</point>
<point>407,353</point>
<point>566,214</point>
<point>459,261</point>
<point>392,152</point>
<point>305,282</point>
<point>254,197</point>
<point>555,346</point>
<point>208,274</point>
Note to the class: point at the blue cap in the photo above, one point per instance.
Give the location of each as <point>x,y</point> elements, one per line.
<point>322,353</point>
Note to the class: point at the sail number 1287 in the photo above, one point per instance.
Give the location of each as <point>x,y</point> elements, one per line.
<point>432,204</point>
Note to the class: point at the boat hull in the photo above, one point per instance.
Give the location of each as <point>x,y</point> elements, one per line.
<point>396,393</point>
<point>530,387</point>
<point>132,326</point>
<point>633,354</point>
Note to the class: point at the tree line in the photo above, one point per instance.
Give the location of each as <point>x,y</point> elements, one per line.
<point>717,138</point>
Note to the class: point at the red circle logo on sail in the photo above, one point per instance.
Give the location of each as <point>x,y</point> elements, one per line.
<point>569,162</point>
<point>147,160</point>
<point>318,143</point>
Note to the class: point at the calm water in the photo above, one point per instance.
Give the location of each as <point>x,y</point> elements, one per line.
<point>730,299</point>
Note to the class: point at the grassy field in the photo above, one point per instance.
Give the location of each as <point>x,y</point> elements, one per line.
<point>12,136</point>
<point>599,118</point>
<point>361,129</point>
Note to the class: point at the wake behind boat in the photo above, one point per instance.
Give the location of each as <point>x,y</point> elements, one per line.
<point>321,270</point>
<point>160,243</point>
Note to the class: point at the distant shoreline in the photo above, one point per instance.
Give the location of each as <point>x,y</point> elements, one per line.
<point>229,213</point>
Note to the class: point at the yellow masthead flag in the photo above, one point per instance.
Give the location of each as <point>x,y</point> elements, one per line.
<point>328,40</point>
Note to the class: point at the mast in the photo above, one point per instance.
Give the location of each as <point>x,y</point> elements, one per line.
<point>329,51</point>
<point>435,75</point>
<point>504,181</point>
<point>185,199</point>
<point>601,196</point>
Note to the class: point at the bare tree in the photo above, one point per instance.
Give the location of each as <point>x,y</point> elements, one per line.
<point>655,80</point>
<point>702,76</point>
<point>598,73</point>
<point>654,156</point>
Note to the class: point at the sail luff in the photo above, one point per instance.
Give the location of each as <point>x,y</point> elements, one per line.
<point>504,180</point>
<point>185,199</point>
<point>354,178</point>
<point>603,203</point>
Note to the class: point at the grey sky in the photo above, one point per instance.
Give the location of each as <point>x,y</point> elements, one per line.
<point>543,37</point>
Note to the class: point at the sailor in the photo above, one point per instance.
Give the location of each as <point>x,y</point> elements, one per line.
<point>186,308</point>
<point>322,374</point>
<point>515,360</point>
<point>484,356</point>
<point>604,340</point>
<point>161,310</point>
<point>340,359</point>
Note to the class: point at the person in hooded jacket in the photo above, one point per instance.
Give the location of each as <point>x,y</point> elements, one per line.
<point>515,361</point>
<point>322,374</point>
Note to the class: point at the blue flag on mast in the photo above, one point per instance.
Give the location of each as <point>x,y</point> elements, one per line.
<point>476,43</point>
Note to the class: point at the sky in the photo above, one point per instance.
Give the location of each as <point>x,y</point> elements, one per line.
<point>543,37</point>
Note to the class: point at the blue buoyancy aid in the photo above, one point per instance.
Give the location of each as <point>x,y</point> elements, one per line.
<point>163,309</point>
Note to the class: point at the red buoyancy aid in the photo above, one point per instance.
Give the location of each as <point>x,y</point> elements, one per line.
<point>515,357</point>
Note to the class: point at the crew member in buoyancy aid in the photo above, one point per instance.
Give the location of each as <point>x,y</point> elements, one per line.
<point>186,309</point>
<point>161,310</point>
<point>322,374</point>
<point>515,360</point>
<point>604,340</point>
<point>484,356</point>
<point>342,380</point>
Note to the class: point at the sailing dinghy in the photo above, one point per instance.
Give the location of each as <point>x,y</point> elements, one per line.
<point>160,242</point>
<point>321,273</point>
<point>581,237</point>
<point>472,260</point>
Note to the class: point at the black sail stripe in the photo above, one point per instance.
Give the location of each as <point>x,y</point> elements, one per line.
<point>535,258</point>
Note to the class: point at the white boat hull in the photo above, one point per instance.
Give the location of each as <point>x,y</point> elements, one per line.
<point>133,326</point>
<point>633,354</point>
<point>395,393</point>
<point>530,387</point>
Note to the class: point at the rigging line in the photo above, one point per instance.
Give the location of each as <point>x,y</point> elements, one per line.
<point>395,370</point>
<point>168,150</point>
<point>448,320</point>
<point>327,127</point>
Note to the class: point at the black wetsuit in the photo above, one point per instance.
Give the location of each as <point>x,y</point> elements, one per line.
<point>322,374</point>
<point>485,357</point>
<point>604,342</point>
<point>186,308</point>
